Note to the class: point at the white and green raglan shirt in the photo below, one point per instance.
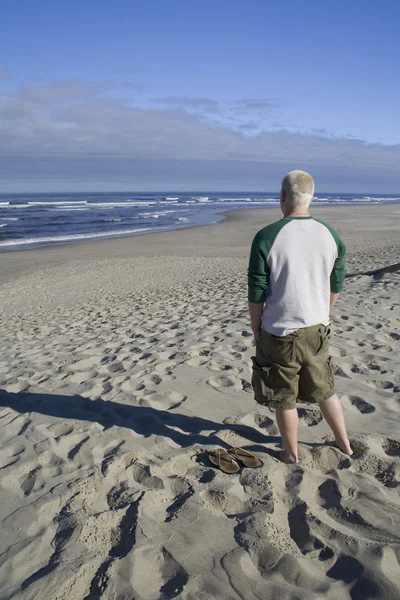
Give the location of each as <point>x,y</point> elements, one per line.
<point>294,265</point>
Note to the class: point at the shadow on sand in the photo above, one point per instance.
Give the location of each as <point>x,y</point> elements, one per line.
<point>145,421</point>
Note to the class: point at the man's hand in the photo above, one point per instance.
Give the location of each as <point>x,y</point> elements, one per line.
<point>256,311</point>
<point>257,334</point>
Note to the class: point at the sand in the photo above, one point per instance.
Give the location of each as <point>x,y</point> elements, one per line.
<point>123,362</point>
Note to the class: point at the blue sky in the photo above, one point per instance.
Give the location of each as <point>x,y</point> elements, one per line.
<point>199,95</point>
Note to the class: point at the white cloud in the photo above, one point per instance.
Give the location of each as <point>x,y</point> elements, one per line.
<point>254,104</point>
<point>67,91</point>
<point>82,121</point>
<point>203,104</point>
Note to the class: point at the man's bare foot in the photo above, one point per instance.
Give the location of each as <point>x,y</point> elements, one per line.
<point>344,447</point>
<point>289,459</point>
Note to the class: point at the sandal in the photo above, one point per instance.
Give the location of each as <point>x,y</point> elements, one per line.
<point>246,457</point>
<point>224,461</point>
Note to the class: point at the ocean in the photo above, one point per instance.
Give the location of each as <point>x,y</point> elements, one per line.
<point>32,220</point>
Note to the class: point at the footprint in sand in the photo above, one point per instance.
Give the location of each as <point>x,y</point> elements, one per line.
<point>270,542</point>
<point>372,358</point>
<point>309,416</point>
<point>375,367</point>
<point>195,349</point>
<point>82,377</point>
<point>391,448</point>
<point>362,405</point>
<point>216,366</point>
<point>14,449</point>
<point>183,491</point>
<point>266,423</point>
<point>60,429</point>
<point>225,383</point>
<point>172,355</point>
<point>360,369</point>
<point>164,400</point>
<point>382,347</point>
<point>294,478</point>
<point>85,364</point>
<point>112,456</point>
<point>381,385</point>
<point>142,475</point>
<point>343,506</point>
<point>26,423</point>
<point>28,482</point>
<point>75,449</point>
<point>165,576</point>
<point>121,496</point>
<point>154,379</point>
<point>222,502</point>
<point>7,461</point>
<point>166,366</point>
<point>384,470</point>
<point>331,499</point>
<point>255,484</point>
<point>11,455</point>
<point>300,532</point>
<point>197,362</point>
<point>116,367</point>
<point>240,348</point>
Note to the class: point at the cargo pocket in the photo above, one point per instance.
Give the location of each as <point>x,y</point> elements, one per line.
<point>261,382</point>
<point>281,349</point>
<point>323,340</point>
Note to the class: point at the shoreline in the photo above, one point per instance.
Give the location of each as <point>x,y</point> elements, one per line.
<point>219,215</point>
<point>196,240</point>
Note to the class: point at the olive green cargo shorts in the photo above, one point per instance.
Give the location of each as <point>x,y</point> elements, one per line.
<point>294,368</point>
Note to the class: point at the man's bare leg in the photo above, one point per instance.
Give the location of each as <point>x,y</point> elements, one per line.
<point>333,413</point>
<point>288,422</point>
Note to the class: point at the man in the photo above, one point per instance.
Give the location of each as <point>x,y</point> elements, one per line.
<point>296,272</point>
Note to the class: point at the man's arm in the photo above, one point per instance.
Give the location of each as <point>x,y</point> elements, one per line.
<point>258,279</point>
<point>339,270</point>
<point>333,299</point>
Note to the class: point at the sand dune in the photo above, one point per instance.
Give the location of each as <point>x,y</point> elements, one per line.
<point>112,394</point>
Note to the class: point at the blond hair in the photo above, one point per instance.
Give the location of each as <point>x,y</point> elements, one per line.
<point>299,188</point>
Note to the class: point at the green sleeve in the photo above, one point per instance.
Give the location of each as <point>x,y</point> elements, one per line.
<point>258,272</point>
<point>339,268</point>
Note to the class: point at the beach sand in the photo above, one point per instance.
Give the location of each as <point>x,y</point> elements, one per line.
<point>122,362</point>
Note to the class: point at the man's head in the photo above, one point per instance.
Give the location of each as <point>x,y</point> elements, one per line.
<point>297,192</point>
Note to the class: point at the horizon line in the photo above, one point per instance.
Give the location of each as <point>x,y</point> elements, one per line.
<point>188,191</point>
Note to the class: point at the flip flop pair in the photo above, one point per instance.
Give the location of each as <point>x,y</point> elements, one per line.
<point>228,461</point>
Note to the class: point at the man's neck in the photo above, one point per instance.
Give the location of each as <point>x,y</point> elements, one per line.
<point>295,213</point>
